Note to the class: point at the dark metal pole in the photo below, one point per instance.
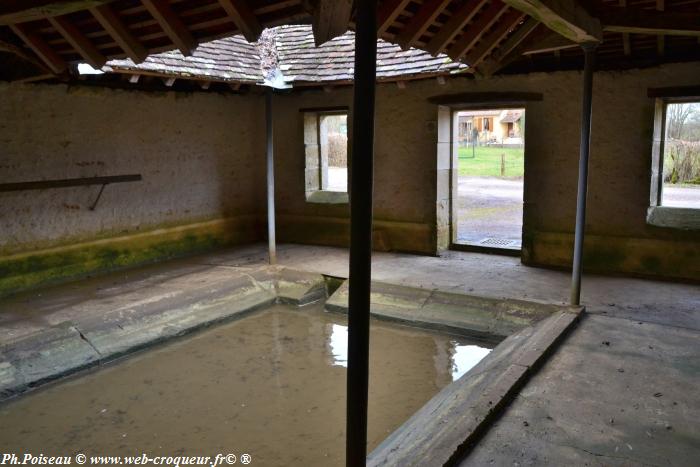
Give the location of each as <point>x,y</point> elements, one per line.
<point>272,247</point>
<point>361,179</point>
<point>586,111</point>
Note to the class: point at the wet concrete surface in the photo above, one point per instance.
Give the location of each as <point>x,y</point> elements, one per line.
<point>618,393</point>
<point>669,313</point>
<point>271,385</point>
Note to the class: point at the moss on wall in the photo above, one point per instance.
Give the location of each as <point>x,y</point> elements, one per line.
<point>27,270</point>
<point>647,257</point>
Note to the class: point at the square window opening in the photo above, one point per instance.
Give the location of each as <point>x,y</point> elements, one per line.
<point>326,150</point>
<point>680,164</point>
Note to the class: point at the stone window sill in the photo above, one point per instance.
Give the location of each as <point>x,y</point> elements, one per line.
<point>327,197</point>
<point>674,218</point>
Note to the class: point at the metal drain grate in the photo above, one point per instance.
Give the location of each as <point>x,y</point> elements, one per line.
<point>497,241</point>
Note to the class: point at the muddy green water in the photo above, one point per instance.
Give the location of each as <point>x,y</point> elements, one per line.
<point>271,385</point>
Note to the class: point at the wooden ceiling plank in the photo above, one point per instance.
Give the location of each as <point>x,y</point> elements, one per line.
<point>491,40</point>
<point>78,41</point>
<point>626,44</point>
<point>427,13</point>
<point>486,18</point>
<point>172,25</point>
<point>116,28</point>
<point>243,17</point>
<point>50,57</point>
<point>331,18</point>
<point>660,40</point>
<point>565,17</point>
<point>388,12</point>
<point>454,26</point>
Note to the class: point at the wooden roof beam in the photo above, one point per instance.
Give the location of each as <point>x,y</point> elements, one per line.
<point>552,42</point>
<point>485,20</point>
<point>22,11</point>
<point>331,18</point>
<point>565,17</point>
<point>430,10</point>
<point>78,41</point>
<point>172,25</point>
<point>116,28</point>
<point>50,57</point>
<point>512,49</point>
<point>25,55</point>
<point>490,41</point>
<point>638,21</point>
<point>244,18</point>
<point>454,26</point>
<point>388,12</point>
<point>493,63</point>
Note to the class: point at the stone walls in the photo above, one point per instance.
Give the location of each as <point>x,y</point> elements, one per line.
<point>408,195</point>
<point>198,153</point>
<point>201,156</point>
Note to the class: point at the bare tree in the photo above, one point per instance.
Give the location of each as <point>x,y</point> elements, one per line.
<point>676,117</point>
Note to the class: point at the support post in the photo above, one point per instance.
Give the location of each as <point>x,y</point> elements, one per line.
<point>272,247</point>
<point>586,110</point>
<point>361,180</point>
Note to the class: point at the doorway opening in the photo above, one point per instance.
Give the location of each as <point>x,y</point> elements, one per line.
<point>489,161</point>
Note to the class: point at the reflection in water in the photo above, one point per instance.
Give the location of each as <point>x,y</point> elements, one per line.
<point>271,385</point>
<point>339,344</point>
<point>465,357</point>
<point>462,357</point>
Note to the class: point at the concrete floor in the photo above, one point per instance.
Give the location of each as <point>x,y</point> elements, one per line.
<point>490,208</point>
<point>621,390</point>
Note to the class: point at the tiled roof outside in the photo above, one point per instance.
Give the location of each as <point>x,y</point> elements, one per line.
<point>301,61</point>
<point>231,59</point>
<point>234,59</point>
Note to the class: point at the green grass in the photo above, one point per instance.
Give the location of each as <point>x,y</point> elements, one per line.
<point>487,162</point>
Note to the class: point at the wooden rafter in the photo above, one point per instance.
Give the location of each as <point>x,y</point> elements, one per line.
<point>78,41</point>
<point>172,25</point>
<point>116,28</point>
<point>454,26</point>
<point>551,42</point>
<point>626,43</point>
<point>660,39</point>
<point>22,11</point>
<point>497,59</point>
<point>484,21</point>
<point>388,12</point>
<point>24,55</point>
<point>490,40</point>
<point>430,10</point>
<point>638,21</point>
<point>243,17</point>
<point>49,56</point>
<point>565,17</point>
<point>500,59</point>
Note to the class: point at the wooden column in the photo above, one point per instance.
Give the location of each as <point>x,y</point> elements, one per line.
<point>361,180</point>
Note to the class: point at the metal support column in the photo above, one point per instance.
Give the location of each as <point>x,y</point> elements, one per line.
<point>361,180</point>
<point>586,110</point>
<point>272,247</point>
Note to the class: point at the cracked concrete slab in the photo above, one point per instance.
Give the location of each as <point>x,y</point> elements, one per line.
<point>647,414</point>
<point>445,311</point>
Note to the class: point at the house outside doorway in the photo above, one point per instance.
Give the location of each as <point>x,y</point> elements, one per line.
<point>489,160</point>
